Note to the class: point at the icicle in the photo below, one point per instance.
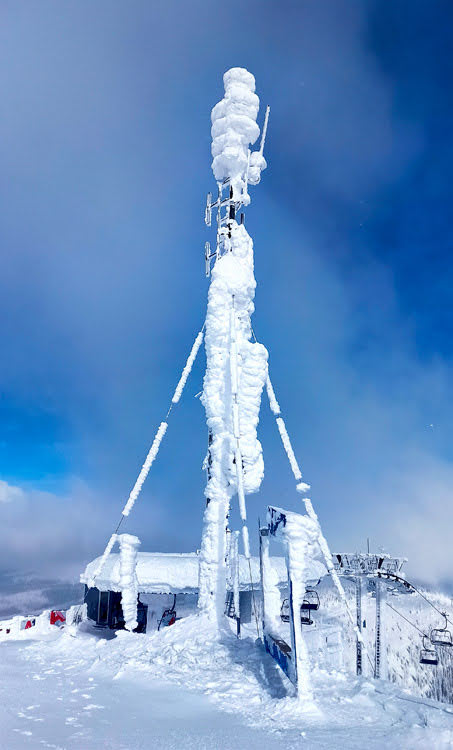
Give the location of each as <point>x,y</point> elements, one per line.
<point>188,368</point>
<point>153,451</point>
<point>103,560</point>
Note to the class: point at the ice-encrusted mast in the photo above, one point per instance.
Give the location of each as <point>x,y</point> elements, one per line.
<point>236,368</point>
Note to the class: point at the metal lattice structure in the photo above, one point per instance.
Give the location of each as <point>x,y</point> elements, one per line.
<point>376,569</point>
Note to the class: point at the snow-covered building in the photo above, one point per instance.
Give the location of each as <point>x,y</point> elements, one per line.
<point>163,576</point>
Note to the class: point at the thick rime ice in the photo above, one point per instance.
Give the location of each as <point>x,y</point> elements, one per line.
<point>236,368</point>
<point>233,130</point>
<point>288,448</point>
<point>230,296</point>
<point>273,403</point>
<point>300,536</point>
<point>153,451</point>
<point>188,368</point>
<point>271,591</point>
<point>128,578</point>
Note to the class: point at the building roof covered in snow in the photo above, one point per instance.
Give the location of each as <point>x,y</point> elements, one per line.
<point>177,573</point>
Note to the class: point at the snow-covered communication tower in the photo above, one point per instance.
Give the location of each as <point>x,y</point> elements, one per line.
<point>236,367</point>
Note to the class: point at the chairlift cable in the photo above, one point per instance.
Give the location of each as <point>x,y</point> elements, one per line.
<point>407,620</point>
<point>417,591</point>
<point>444,614</point>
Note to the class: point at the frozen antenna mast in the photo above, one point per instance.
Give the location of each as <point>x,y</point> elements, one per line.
<point>236,368</point>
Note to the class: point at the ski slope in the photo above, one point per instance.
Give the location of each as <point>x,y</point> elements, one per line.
<point>188,687</point>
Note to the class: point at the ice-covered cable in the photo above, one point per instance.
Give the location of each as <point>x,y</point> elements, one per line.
<point>302,487</point>
<point>153,451</point>
<point>264,133</point>
<point>187,369</point>
<point>103,559</point>
<point>273,403</point>
<point>289,449</point>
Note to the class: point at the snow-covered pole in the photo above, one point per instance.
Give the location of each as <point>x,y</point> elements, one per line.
<point>129,545</point>
<point>236,431</point>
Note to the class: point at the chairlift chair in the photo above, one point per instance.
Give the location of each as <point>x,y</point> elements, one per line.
<point>441,636</point>
<point>284,611</point>
<point>168,615</point>
<point>428,655</point>
<point>311,600</point>
<point>305,617</point>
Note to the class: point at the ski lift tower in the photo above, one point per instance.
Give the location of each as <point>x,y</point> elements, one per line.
<point>358,566</point>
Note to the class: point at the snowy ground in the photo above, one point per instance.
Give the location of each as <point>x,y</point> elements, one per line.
<point>183,688</point>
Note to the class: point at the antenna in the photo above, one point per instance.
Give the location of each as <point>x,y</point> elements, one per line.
<point>229,204</point>
<point>263,136</point>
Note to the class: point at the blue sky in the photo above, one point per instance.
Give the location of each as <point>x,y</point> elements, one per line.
<point>105,154</point>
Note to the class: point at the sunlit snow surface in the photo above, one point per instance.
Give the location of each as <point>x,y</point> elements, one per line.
<point>185,687</point>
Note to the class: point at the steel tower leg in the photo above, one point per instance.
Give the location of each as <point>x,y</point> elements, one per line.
<point>358,601</point>
<point>380,665</point>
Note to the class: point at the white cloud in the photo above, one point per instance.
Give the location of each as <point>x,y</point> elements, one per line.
<point>422,519</point>
<point>54,535</point>
<point>9,493</point>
